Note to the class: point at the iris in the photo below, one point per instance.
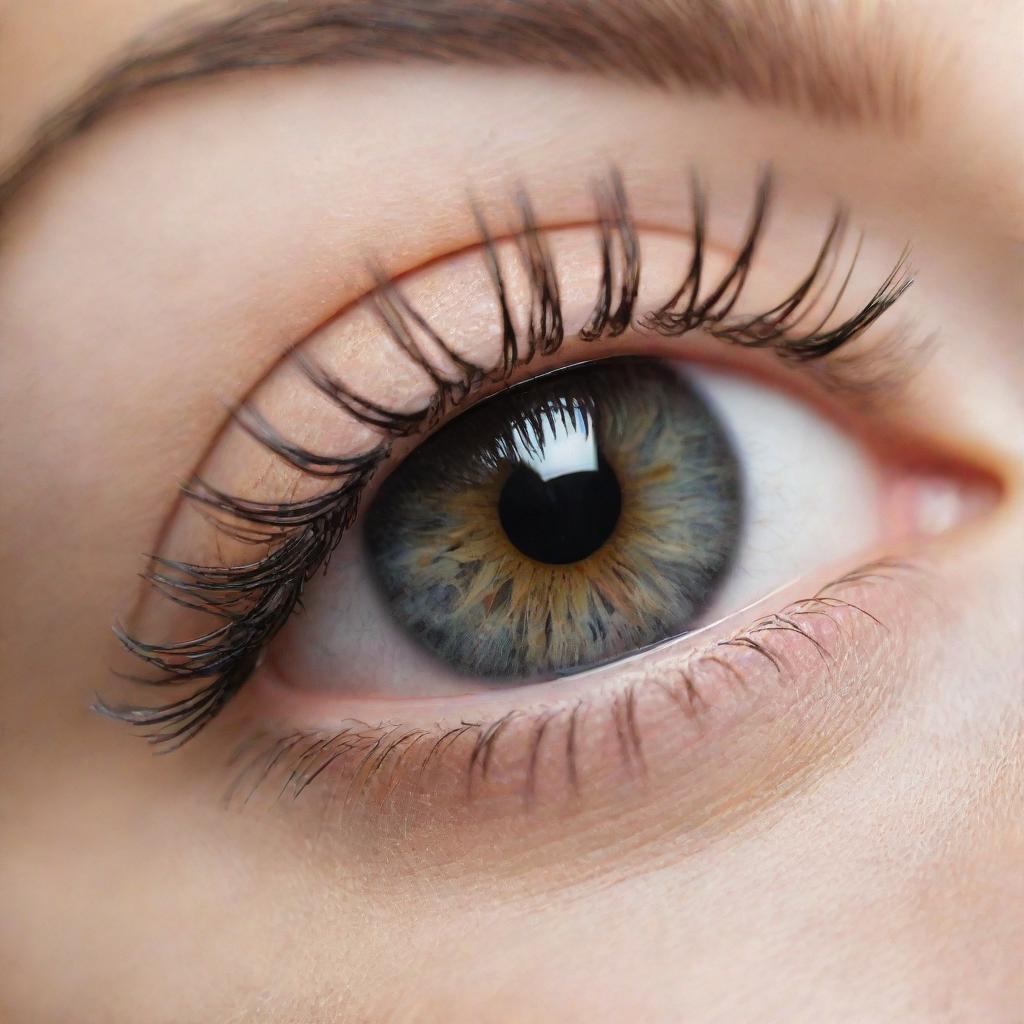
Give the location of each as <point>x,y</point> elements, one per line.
<point>563,523</point>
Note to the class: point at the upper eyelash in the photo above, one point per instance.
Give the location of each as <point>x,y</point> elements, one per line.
<point>255,600</point>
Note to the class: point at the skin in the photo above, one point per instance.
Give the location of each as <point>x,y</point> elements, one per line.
<point>851,850</point>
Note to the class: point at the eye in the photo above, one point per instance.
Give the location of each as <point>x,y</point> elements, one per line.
<point>580,518</point>
<point>509,481</point>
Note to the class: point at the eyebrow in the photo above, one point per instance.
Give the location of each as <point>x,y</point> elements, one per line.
<point>832,61</point>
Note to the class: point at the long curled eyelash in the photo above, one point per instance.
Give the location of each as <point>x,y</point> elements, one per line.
<point>686,310</point>
<point>252,602</point>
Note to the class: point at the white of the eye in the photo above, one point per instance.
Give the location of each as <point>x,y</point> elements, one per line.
<point>811,494</point>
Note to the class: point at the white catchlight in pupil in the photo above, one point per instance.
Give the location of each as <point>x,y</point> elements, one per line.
<point>562,442</point>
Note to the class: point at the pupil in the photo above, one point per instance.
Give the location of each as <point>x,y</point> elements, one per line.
<point>561,520</point>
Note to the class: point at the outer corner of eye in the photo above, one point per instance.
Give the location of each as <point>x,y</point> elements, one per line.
<point>582,517</point>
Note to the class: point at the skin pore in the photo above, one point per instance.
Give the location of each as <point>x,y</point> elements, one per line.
<point>843,847</point>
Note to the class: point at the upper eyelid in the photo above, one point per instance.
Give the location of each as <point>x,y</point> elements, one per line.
<point>259,598</point>
<point>774,328</point>
<point>543,329</point>
<point>621,264</point>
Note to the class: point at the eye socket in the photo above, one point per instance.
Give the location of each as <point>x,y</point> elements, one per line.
<point>247,563</point>
<point>560,525</point>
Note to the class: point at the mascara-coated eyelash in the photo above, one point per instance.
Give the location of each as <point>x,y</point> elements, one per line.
<point>253,601</point>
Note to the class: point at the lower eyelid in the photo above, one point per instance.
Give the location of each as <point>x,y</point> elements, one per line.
<point>777,696</point>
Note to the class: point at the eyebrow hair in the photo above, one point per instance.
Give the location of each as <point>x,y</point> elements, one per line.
<point>832,61</point>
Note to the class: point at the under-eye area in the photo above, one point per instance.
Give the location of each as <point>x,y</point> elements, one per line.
<point>798,675</point>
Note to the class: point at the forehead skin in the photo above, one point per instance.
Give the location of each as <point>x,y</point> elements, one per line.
<point>962,62</point>
<point>884,893</point>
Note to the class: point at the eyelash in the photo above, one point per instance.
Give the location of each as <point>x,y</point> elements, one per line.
<point>383,757</point>
<point>257,599</point>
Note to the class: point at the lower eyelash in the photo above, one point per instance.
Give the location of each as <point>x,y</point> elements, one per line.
<point>254,601</point>
<point>375,761</point>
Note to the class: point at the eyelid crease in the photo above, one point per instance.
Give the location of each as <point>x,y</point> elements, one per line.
<point>254,601</point>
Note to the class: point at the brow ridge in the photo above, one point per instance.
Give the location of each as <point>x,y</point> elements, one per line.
<point>830,62</point>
